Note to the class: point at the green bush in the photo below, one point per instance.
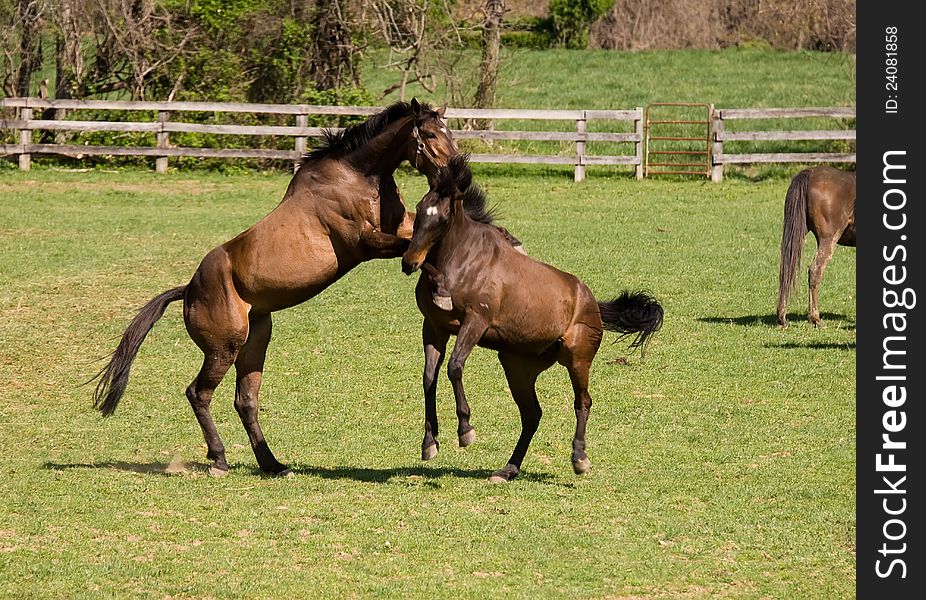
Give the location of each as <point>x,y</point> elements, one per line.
<point>573,18</point>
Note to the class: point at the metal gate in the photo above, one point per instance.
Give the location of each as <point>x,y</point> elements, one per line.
<point>678,139</point>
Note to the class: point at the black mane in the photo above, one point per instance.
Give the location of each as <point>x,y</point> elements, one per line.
<point>349,139</point>
<point>457,180</point>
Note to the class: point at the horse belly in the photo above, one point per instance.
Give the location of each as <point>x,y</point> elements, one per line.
<point>272,279</point>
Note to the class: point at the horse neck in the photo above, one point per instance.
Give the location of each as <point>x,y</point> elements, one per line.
<point>459,244</point>
<point>383,154</point>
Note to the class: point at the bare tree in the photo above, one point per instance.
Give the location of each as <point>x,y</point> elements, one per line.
<point>20,65</point>
<point>333,50</point>
<point>494,11</point>
<point>421,36</point>
<point>135,42</point>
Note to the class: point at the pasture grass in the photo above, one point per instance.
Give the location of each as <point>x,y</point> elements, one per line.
<point>722,463</point>
<point>737,77</point>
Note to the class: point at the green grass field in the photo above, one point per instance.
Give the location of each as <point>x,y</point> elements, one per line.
<point>722,463</point>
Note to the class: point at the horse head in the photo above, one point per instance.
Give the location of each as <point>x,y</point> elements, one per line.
<point>435,211</point>
<point>430,145</point>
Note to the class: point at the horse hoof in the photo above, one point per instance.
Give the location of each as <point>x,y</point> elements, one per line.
<point>504,475</point>
<point>443,302</point>
<point>467,438</point>
<point>217,472</point>
<point>429,452</point>
<point>581,467</point>
<point>285,473</point>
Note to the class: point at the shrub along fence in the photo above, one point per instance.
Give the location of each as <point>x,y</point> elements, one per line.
<point>576,128</point>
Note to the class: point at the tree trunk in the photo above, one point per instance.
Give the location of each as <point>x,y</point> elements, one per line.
<point>333,50</point>
<point>488,67</point>
<point>30,45</point>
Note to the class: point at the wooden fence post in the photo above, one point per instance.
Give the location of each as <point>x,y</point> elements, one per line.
<point>302,120</point>
<point>581,128</point>
<point>25,140</point>
<point>638,145</point>
<point>160,164</point>
<point>717,147</point>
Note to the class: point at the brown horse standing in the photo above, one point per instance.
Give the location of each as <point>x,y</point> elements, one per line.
<point>342,207</point>
<point>531,313</point>
<point>821,200</point>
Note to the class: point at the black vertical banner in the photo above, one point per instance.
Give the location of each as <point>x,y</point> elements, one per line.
<point>891,370</point>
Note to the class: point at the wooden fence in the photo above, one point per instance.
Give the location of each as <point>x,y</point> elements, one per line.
<point>719,158</point>
<point>577,121</point>
<point>165,124</point>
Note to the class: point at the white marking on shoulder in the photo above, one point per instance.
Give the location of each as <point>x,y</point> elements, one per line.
<point>432,210</point>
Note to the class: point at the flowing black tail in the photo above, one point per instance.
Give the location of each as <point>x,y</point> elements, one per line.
<point>793,235</point>
<point>115,376</point>
<point>632,313</point>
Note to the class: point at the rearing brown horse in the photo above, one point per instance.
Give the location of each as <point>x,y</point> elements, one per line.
<point>342,207</point>
<point>821,200</point>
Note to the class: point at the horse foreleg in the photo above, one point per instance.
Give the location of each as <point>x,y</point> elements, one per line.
<point>377,244</point>
<point>440,295</point>
<point>435,345</point>
<point>471,331</point>
<point>825,250</point>
<point>249,369</point>
<point>407,226</point>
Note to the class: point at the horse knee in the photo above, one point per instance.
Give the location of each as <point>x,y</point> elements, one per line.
<point>455,370</point>
<point>245,402</point>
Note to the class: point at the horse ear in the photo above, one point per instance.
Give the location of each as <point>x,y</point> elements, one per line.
<point>416,108</point>
<point>440,111</point>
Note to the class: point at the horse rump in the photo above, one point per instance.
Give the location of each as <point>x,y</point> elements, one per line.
<point>635,314</point>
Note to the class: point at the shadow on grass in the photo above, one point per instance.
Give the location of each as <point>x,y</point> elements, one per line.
<point>772,320</point>
<point>424,472</point>
<point>162,469</point>
<point>813,346</point>
<point>366,475</point>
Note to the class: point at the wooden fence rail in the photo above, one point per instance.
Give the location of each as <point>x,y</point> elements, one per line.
<point>719,158</point>
<point>167,122</point>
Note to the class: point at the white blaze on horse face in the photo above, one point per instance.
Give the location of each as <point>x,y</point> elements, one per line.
<point>432,210</point>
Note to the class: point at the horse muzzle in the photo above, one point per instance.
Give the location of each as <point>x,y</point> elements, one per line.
<point>409,266</point>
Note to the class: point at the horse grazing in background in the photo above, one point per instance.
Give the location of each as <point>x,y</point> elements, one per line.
<point>342,208</point>
<point>821,200</point>
<point>531,313</point>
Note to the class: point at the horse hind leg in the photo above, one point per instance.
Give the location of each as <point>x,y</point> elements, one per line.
<point>825,248</point>
<point>580,344</point>
<point>249,368</point>
<point>522,371</point>
<point>215,365</point>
